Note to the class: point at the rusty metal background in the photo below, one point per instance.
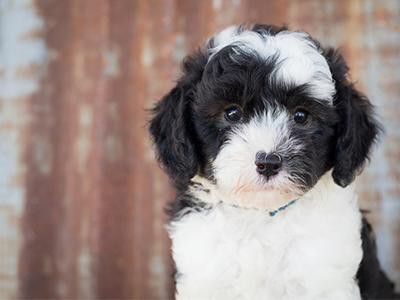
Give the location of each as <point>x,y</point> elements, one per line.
<point>81,198</point>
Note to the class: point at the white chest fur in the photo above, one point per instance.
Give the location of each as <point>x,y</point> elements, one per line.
<point>311,250</point>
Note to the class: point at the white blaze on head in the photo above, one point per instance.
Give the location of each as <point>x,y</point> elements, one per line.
<point>299,61</point>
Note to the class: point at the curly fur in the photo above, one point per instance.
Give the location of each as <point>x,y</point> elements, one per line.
<point>225,244</point>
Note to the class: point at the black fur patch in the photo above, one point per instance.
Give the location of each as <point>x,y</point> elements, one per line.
<point>357,128</point>
<point>372,280</point>
<point>184,204</point>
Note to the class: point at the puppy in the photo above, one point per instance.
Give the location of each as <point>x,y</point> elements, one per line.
<point>262,137</point>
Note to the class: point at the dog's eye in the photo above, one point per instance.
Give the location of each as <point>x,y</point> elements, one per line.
<point>300,116</point>
<point>233,113</point>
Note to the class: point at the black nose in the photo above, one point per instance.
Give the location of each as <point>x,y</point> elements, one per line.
<point>268,165</point>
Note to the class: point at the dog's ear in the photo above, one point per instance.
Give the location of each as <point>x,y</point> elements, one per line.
<point>357,128</point>
<point>172,126</point>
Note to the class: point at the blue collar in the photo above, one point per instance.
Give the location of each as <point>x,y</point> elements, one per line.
<point>274,212</point>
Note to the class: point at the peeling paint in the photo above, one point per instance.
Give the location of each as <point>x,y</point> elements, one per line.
<point>147,54</point>
<point>111,58</point>
<point>22,61</point>
<point>43,156</point>
<point>18,50</point>
<point>83,140</point>
<point>179,48</point>
<point>217,4</point>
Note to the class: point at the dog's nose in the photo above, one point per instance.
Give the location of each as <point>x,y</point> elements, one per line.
<point>268,165</point>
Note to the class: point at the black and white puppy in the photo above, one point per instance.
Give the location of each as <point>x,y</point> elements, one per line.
<point>263,136</point>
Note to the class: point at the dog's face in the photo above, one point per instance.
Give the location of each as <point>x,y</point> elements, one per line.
<point>263,108</point>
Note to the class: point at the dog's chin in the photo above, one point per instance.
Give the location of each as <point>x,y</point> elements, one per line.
<point>262,196</point>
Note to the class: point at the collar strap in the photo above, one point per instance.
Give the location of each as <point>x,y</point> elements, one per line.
<point>274,212</point>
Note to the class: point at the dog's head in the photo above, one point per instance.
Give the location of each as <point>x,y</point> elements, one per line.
<point>263,108</point>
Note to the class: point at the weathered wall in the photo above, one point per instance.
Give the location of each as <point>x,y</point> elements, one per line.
<point>81,198</point>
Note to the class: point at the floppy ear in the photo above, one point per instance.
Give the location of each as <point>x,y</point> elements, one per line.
<point>357,128</point>
<point>172,126</point>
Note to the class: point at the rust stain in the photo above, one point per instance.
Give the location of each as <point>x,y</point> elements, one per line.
<point>45,217</point>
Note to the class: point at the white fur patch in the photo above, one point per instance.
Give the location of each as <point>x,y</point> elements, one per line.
<point>311,250</point>
<point>299,60</point>
<point>234,167</point>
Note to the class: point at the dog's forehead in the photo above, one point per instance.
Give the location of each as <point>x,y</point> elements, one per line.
<point>299,60</point>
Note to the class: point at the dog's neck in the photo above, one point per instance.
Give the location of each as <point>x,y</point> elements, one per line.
<point>268,200</point>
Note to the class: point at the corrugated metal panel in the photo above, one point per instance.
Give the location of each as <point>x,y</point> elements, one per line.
<point>81,198</point>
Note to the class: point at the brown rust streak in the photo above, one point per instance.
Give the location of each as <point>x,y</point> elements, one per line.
<point>196,21</point>
<point>59,196</point>
<point>159,72</point>
<point>90,92</point>
<point>127,209</point>
<point>114,262</point>
<point>265,12</point>
<point>42,274</point>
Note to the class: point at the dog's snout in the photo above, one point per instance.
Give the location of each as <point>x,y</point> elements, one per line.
<point>268,164</point>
